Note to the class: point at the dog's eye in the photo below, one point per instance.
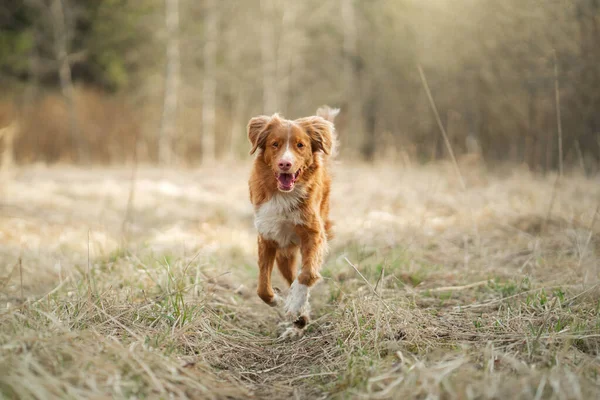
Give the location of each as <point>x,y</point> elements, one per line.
<point>276,145</point>
<point>300,145</point>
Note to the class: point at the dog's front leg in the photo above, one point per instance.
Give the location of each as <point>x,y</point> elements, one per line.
<point>267,250</point>
<point>313,245</point>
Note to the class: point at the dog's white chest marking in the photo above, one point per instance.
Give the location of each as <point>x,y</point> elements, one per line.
<point>276,219</point>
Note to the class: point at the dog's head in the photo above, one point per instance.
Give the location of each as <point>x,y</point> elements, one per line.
<point>290,147</point>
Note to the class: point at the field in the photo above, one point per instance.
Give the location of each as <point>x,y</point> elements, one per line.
<point>140,283</point>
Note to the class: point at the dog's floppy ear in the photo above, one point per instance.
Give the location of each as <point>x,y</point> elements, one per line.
<point>257,132</point>
<point>320,131</point>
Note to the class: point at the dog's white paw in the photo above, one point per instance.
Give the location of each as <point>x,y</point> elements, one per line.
<point>296,303</point>
<point>277,300</point>
<point>297,306</point>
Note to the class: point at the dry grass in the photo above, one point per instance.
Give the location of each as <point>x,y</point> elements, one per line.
<point>490,292</point>
<point>110,126</point>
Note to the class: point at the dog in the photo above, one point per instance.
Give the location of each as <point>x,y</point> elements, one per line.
<point>290,185</point>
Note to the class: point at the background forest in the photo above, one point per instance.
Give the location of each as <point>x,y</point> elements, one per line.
<point>176,81</point>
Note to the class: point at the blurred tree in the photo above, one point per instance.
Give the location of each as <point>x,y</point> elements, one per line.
<point>16,40</point>
<point>209,90</point>
<point>268,56</point>
<point>587,79</point>
<point>351,67</point>
<point>57,18</point>
<point>120,42</point>
<point>168,123</point>
<point>62,33</point>
<point>490,67</point>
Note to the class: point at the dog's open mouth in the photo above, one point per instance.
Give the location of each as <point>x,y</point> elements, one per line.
<point>285,182</point>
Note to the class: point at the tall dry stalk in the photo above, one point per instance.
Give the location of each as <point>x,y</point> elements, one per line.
<point>558,118</point>
<point>442,129</point>
<point>580,156</point>
<point>129,209</point>
<point>589,237</point>
<point>551,204</point>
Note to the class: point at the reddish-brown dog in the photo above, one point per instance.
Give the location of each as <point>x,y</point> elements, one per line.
<point>289,188</point>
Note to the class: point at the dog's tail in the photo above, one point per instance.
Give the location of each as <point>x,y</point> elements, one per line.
<point>329,114</point>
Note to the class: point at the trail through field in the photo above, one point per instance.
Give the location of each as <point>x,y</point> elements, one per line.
<point>141,284</point>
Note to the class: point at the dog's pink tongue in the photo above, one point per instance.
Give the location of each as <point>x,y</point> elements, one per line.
<point>286,180</point>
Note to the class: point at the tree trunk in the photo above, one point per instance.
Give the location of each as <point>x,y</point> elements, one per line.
<point>370,140</point>
<point>235,87</point>
<point>209,89</point>
<point>285,55</point>
<point>61,40</point>
<point>351,86</point>
<point>31,90</point>
<point>589,76</point>
<point>237,127</point>
<point>168,123</point>
<point>269,61</point>
<point>7,136</point>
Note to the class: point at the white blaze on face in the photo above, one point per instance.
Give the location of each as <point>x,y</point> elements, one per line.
<point>288,155</point>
